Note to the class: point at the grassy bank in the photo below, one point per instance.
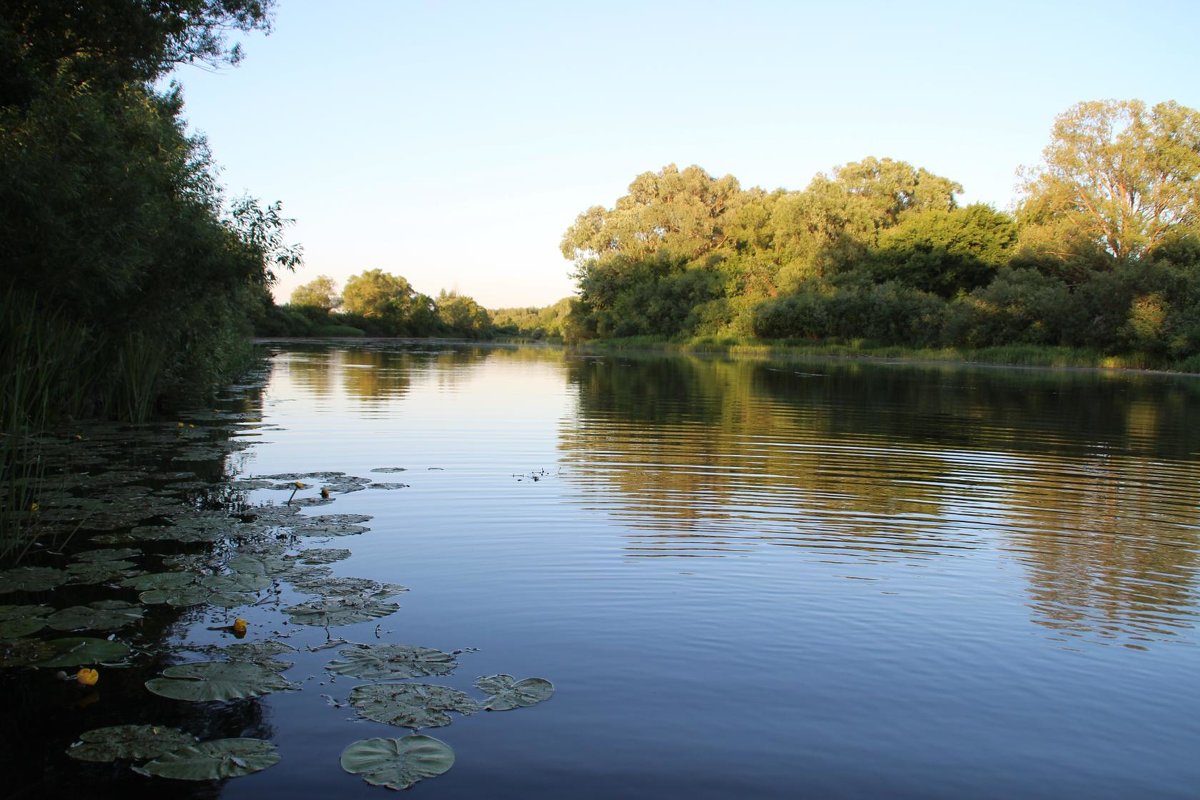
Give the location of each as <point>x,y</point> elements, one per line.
<point>1021,355</point>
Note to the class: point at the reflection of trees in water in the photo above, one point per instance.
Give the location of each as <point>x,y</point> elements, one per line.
<point>1090,476</point>
<point>387,371</point>
<point>701,447</point>
<point>1110,545</point>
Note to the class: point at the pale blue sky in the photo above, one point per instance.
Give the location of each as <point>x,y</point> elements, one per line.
<point>454,142</point>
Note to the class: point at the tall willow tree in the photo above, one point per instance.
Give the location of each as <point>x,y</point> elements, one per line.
<point>1123,176</point>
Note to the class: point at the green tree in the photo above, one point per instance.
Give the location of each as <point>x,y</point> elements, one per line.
<point>946,252</point>
<point>377,294</point>
<point>671,212</point>
<point>463,315</point>
<point>321,293</point>
<point>1126,176</point>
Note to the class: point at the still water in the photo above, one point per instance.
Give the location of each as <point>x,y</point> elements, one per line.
<point>755,579</point>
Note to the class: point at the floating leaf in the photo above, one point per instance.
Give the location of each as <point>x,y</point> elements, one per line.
<point>397,763</point>
<point>236,582</point>
<point>349,587</point>
<point>216,760</point>
<point>410,705</point>
<point>22,620</point>
<point>322,556</point>
<point>179,597</point>
<point>103,615</point>
<point>509,693</point>
<point>261,653</point>
<point>218,680</point>
<point>161,580</point>
<point>78,650</point>
<point>133,742</point>
<point>390,469</point>
<point>339,611</point>
<point>31,579</point>
<point>101,571</point>
<point>389,486</point>
<point>107,554</point>
<point>386,661</point>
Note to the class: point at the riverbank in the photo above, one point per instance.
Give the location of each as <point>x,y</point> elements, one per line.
<point>1007,356</point>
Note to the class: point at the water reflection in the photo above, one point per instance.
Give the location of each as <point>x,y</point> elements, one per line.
<point>1087,480</point>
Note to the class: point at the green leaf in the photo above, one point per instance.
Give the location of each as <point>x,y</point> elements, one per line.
<point>509,693</point>
<point>79,650</point>
<point>101,571</point>
<point>178,596</point>
<point>107,554</point>
<point>103,615</point>
<point>410,705</point>
<point>22,620</point>
<point>397,763</point>
<point>31,579</point>
<point>262,653</point>
<point>386,661</point>
<point>339,611</point>
<point>217,680</point>
<point>216,760</point>
<point>134,742</point>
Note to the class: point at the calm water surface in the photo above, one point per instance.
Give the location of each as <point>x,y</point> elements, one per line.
<point>761,580</point>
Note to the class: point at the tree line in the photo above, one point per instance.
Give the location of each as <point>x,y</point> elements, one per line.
<point>375,303</point>
<point>127,278</point>
<point>1102,250</point>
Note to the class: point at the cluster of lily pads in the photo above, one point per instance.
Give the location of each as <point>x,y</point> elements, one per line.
<point>234,555</point>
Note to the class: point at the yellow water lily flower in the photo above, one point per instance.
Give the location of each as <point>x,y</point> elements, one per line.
<point>87,677</point>
<point>238,627</point>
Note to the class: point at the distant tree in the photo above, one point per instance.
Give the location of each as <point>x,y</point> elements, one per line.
<point>670,212</point>
<point>320,292</point>
<point>463,315</point>
<point>378,294</point>
<point>1128,177</point>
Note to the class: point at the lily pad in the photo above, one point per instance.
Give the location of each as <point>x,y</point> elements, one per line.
<point>339,611</point>
<point>390,469</point>
<point>509,693</point>
<point>410,705</point>
<point>261,653</point>
<point>161,580</point>
<point>101,571</point>
<point>179,597</point>
<point>108,554</point>
<point>133,742</point>
<point>236,582</point>
<point>31,579</point>
<point>22,620</point>
<point>316,556</point>
<point>349,587</point>
<point>387,661</point>
<point>78,650</point>
<point>103,615</point>
<point>397,763</point>
<point>218,680</point>
<point>216,760</point>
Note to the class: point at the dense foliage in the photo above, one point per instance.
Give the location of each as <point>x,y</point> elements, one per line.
<point>1102,252</point>
<point>114,235</point>
<point>375,303</point>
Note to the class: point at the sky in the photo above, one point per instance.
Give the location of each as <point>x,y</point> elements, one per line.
<point>453,143</point>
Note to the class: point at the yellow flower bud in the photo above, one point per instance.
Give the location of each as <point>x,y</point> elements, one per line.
<point>239,627</point>
<point>87,677</point>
